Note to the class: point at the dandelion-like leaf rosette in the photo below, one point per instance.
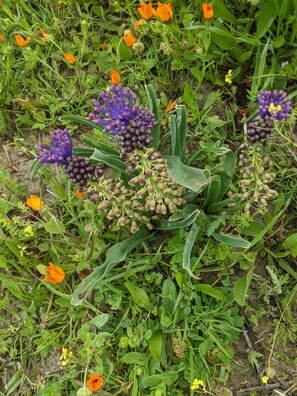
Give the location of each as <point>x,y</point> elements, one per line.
<point>118,112</point>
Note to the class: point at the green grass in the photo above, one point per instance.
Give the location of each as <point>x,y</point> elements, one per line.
<point>156,302</point>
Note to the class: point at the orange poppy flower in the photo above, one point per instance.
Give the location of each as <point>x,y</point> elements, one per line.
<point>138,23</point>
<point>164,11</point>
<point>129,39</point>
<point>55,274</point>
<point>104,46</point>
<point>2,37</point>
<point>34,202</point>
<point>95,382</point>
<point>70,58</point>
<point>115,77</point>
<point>21,41</point>
<point>171,106</point>
<point>146,10</point>
<point>207,11</point>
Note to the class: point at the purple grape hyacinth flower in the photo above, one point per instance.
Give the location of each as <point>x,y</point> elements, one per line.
<point>58,150</point>
<point>118,112</point>
<point>273,105</point>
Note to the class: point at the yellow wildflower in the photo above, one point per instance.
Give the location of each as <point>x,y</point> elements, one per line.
<point>197,383</point>
<point>28,230</point>
<point>265,379</point>
<point>228,77</point>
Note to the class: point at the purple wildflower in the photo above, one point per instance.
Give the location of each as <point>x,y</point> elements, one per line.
<point>259,129</point>
<point>58,150</point>
<point>118,112</point>
<point>273,105</point>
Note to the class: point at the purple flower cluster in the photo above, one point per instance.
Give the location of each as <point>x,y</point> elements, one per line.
<point>118,112</point>
<point>58,150</point>
<point>272,106</point>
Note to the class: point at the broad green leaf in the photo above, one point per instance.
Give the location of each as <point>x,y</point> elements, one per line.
<point>100,146</point>
<point>100,320</point>
<point>14,248</point>
<point>115,255</point>
<point>290,244</point>
<point>135,358</point>
<point>219,205</point>
<point>109,160</point>
<point>172,225</point>
<point>221,11</point>
<point>191,238</point>
<point>42,269</point>
<point>139,296</point>
<point>167,378</point>
<point>155,346</point>
<point>3,262</point>
<point>266,16</point>
<point>230,240</point>
<point>186,176</point>
<point>279,41</point>
<point>54,226</point>
<point>209,290</point>
<point>253,229</point>
<point>169,290</point>
<point>241,287</point>
<point>5,206</point>
<point>213,191</point>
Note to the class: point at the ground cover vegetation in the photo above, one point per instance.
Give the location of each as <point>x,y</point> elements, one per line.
<point>154,248</point>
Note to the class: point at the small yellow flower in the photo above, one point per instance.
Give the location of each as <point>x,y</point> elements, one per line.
<point>228,77</point>
<point>265,379</point>
<point>28,230</point>
<point>274,109</point>
<point>197,383</point>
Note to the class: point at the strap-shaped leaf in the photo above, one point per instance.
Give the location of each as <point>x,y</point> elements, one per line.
<point>115,255</point>
<point>114,162</point>
<point>213,191</point>
<point>230,240</point>
<point>153,106</point>
<point>188,249</point>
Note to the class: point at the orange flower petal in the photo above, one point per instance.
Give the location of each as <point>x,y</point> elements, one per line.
<point>2,37</point>
<point>95,382</point>
<point>138,23</point>
<point>44,33</point>
<point>104,46</point>
<point>164,11</point>
<point>129,39</point>
<point>171,106</point>
<point>70,58</point>
<point>207,10</point>
<point>21,41</point>
<point>79,194</point>
<point>34,202</point>
<point>115,77</point>
<point>55,274</point>
<point>146,10</point>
